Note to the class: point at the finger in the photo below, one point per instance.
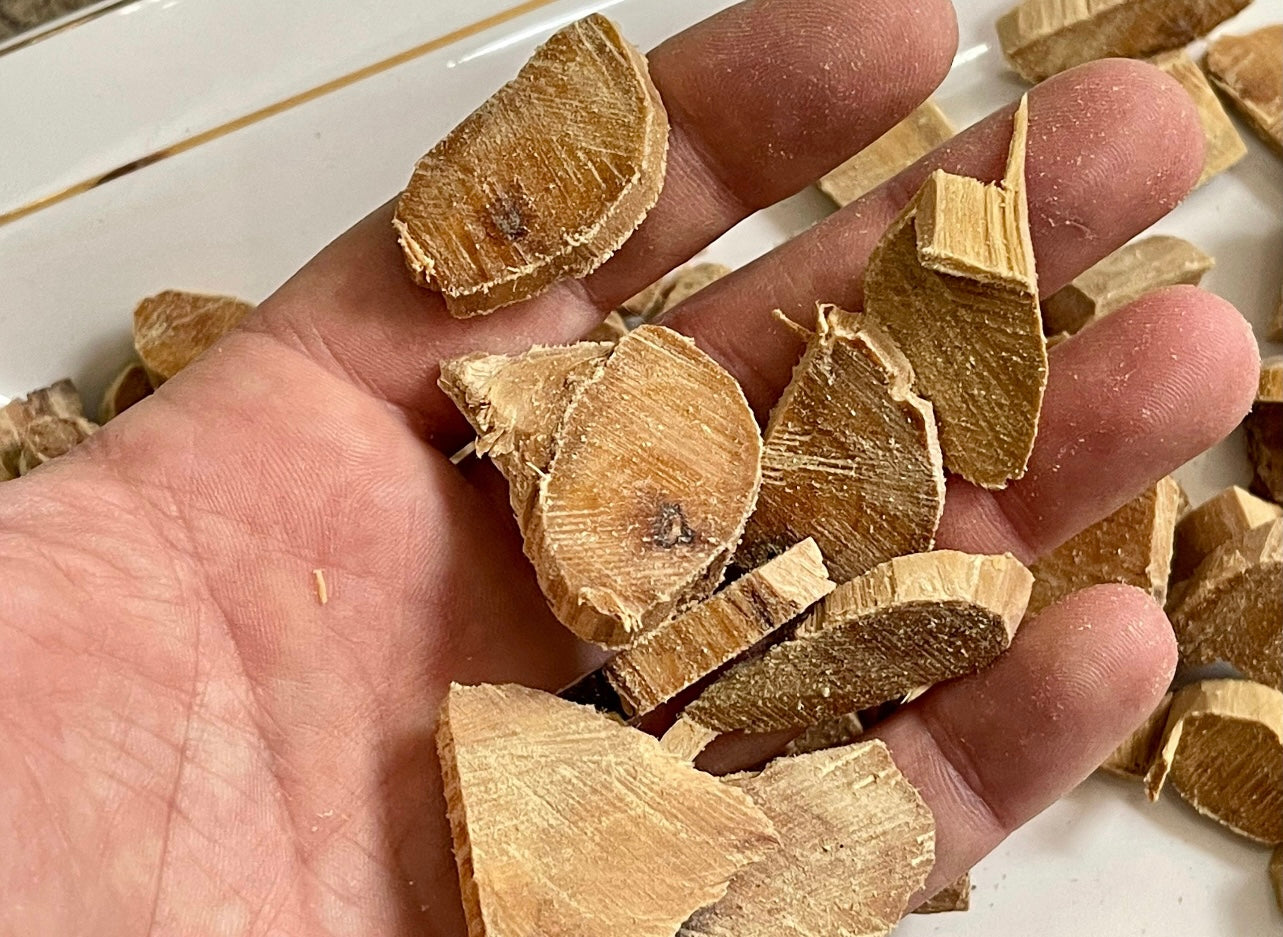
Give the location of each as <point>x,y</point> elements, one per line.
<point>763,98</point>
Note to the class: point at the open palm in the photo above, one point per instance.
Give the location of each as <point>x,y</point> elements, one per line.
<point>190,742</point>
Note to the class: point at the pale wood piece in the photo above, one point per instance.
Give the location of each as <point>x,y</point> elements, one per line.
<point>127,388</point>
<point>954,897</point>
<point>173,328</point>
<point>544,181</point>
<point>1043,37</point>
<point>1232,608</point>
<point>1131,546</point>
<point>681,284</point>
<point>1134,755</point>
<point>674,656</point>
<point>566,822</point>
<point>1223,517</point>
<point>829,733</point>
<point>1275,333</point>
<point>59,402</point>
<point>913,621</point>
<point>897,149</point>
<point>48,437</point>
<point>1222,749</point>
<point>1125,275</point>
<point>953,283</point>
<point>1264,431</point>
<point>11,418</point>
<point>611,329</point>
<point>686,739</point>
<point>1223,147</point>
<point>1276,875</point>
<point>1249,70</point>
<point>856,841</point>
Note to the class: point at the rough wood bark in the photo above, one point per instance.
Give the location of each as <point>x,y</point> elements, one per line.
<point>1133,757</point>
<point>544,181</point>
<point>1221,518</point>
<point>954,897</point>
<point>911,622</point>
<point>1043,37</point>
<point>1223,147</point>
<point>1264,429</point>
<point>128,387</point>
<point>681,284</point>
<point>1222,750</point>
<point>900,147</point>
<point>1125,275</point>
<point>953,283</point>
<point>833,732</point>
<point>1249,70</point>
<point>173,328</point>
<point>856,841</point>
<point>567,823</point>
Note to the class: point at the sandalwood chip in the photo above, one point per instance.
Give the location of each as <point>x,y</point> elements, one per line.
<point>856,841</point>
<point>1222,147</point>
<point>611,329</point>
<point>544,181</point>
<point>1264,429</point>
<point>1134,755</point>
<point>1249,70</point>
<point>128,387</point>
<point>1125,275</point>
<point>953,283</point>
<point>681,284</point>
<point>10,439</point>
<point>1222,750</point>
<point>48,437</point>
<point>566,822</point>
<point>900,147</point>
<point>953,897</point>
<point>1043,37</point>
<point>58,402</point>
<point>173,328</point>
<point>829,733</point>
<point>1221,518</point>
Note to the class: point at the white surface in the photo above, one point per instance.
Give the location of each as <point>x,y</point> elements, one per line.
<point>240,213</point>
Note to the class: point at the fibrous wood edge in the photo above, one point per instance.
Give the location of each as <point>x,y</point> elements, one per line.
<point>1249,71</point>
<point>850,455</point>
<point>1042,37</point>
<point>1221,518</point>
<point>544,181</point>
<point>953,283</point>
<point>900,147</point>
<point>680,285</point>
<point>913,621</point>
<point>1223,147</point>
<point>566,822</point>
<point>1131,546</point>
<point>828,733</point>
<point>1134,755</point>
<point>173,328</point>
<point>1264,432</point>
<point>678,653</point>
<point>130,385</point>
<point>856,841</point>
<point>59,401</point>
<point>47,438</point>
<point>1222,749</point>
<point>1125,275</point>
<point>953,897</point>
<point>1276,875</point>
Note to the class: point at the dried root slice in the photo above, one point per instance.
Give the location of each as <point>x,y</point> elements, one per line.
<point>1223,146</point>
<point>59,402</point>
<point>900,147</point>
<point>544,181</point>
<point>611,329</point>
<point>1276,875</point>
<point>953,283</point>
<point>655,471</point>
<point>1264,428</point>
<point>856,841</point>
<point>850,455</point>
<point>954,897</point>
<point>830,733</point>
<point>1249,70</point>
<point>911,622</point>
<point>48,437</point>
<point>1133,757</point>
<point>1222,518</point>
<point>1222,750</point>
<point>681,284</point>
<point>172,329</point>
<point>1043,37</point>
<point>1125,275</point>
<point>1132,546</point>
<point>126,389</point>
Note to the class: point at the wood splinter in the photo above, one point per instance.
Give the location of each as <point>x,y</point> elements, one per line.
<point>1221,518</point>
<point>897,149</point>
<point>173,328</point>
<point>1222,147</point>
<point>1264,428</point>
<point>1249,71</point>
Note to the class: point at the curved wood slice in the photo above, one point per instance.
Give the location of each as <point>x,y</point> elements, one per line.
<point>911,622</point>
<point>1249,70</point>
<point>952,282</point>
<point>850,455</point>
<point>856,841</point>
<point>1133,758</point>
<point>173,328</point>
<point>544,181</point>
<point>566,822</point>
<point>1222,750</point>
<point>1264,428</point>
<point>1222,145</point>
<point>127,388</point>
<point>899,148</point>
<point>1221,518</point>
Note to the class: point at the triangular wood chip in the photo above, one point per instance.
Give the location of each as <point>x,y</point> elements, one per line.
<point>1264,429</point>
<point>1249,70</point>
<point>1223,517</point>
<point>1133,757</point>
<point>173,328</point>
<point>566,822</point>
<point>953,897</point>
<point>897,149</point>
<point>1222,145</point>
<point>545,180</point>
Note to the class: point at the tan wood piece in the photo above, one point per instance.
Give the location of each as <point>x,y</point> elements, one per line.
<point>611,329</point>
<point>60,414</point>
<point>544,181</point>
<point>1223,517</point>
<point>953,897</point>
<point>566,822</point>
<point>1264,430</point>
<point>829,733</point>
<point>1134,755</point>
<point>953,283</point>
<point>681,284</point>
<point>1223,147</point>
<point>1222,750</point>
<point>1043,37</point>
<point>897,149</point>
<point>1275,333</point>
<point>127,388</point>
<point>173,328</point>
<point>1276,875</point>
<point>1249,70</point>
<point>856,841</point>
<point>48,437</point>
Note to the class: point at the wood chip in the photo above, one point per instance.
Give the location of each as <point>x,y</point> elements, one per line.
<point>1275,333</point>
<point>830,733</point>
<point>1124,276</point>
<point>57,414</point>
<point>1221,518</point>
<point>566,822</point>
<point>322,587</point>
<point>12,418</point>
<point>953,283</point>
<point>544,181</point>
<point>682,284</point>
<point>856,841</point>
<point>1264,429</point>
<point>897,149</point>
<point>611,329</point>
<point>48,437</point>
<point>172,329</point>
<point>911,622</point>
<point>954,897</point>
<point>128,387</point>
<point>1249,70</point>
<point>1132,546</point>
<point>1043,37</point>
<point>1222,750</point>
<point>1276,875</point>
<point>1223,147</point>
<point>1133,757</point>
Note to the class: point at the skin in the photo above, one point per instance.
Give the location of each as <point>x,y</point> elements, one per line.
<point>191,743</point>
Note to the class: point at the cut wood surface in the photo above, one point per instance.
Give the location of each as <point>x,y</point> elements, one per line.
<point>1264,429</point>
<point>1222,145</point>
<point>1133,757</point>
<point>953,897</point>
<point>911,622</point>
<point>856,841</point>
<point>830,733</point>
<point>128,387</point>
<point>1222,750</point>
<point>900,147</point>
<point>1249,70</point>
<point>953,283</point>
<point>49,407</point>
<point>566,822</point>
<point>850,455</point>
<point>1223,517</point>
<point>681,284</point>
<point>48,437</point>
<point>1125,275</point>
<point>173,328</point>
<point>1043,37</point>
<point>544,181</point>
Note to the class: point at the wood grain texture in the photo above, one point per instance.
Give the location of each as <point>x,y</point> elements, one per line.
<point>899,148</point>
<point>1221,518</point>
<point>174,328</point>
<point>1136,753</point>
<point>1249,71</point>
<point>57,415</point>
<point>1222,145</point>
<point>833,732</point>
<point>1276,875</point>
<point>1264,432</point>
<point>953,897</point>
